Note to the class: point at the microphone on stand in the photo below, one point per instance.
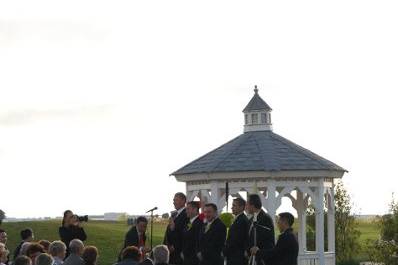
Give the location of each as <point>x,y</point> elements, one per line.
<point>255,224</point>
<point>173,214</point>
<point>151,210</point>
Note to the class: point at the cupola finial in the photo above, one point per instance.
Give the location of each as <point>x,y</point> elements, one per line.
<point>255,89</point>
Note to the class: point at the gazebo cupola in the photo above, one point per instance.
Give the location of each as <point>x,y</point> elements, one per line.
<point>257,114</point>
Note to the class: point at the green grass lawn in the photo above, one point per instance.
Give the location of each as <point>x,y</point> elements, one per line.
<point>108,236</point>
<point>370,230</point>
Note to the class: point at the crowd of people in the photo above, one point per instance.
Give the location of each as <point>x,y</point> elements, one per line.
<point>70,250</point>
<point>195,235</point>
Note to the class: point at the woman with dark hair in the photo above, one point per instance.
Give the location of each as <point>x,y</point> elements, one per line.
<point>67,215</point>
<point>45,244</point>
<point>34,250</point>
<point>90,255</point>
<point>71,229</point>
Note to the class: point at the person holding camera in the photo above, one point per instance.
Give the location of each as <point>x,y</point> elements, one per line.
<point>72,229</point>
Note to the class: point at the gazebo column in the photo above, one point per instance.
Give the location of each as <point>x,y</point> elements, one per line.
<point>320,235</point>
<point>302,218</point>
<point>215,194</point>
<point>331,221</point>
<point>271,201</point>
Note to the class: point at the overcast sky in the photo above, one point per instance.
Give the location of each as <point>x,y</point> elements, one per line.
<point>101,101</point>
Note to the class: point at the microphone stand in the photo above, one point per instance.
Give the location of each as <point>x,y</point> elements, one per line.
<point>252,260</point>
<point>253,257</point>
<point>151,210</point>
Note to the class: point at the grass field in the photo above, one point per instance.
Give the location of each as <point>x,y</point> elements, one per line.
<point>108,236</point>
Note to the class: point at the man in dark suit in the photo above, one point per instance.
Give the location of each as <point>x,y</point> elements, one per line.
<point>26,236</point>
<point>136,236</point>
<point>212,238</point>
<point>191,234</point>
<point>175,229</point>
<point>235,246</point>
<point>286,250</point>
<point>261,225</point>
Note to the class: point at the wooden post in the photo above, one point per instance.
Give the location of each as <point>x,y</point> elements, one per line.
<point>302,218</point>
<point>320,235</point>
<point>215,195</point>
<point>271,200</point>
<point>331,221</point>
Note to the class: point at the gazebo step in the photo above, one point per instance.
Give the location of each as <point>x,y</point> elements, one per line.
<point>312,258</point>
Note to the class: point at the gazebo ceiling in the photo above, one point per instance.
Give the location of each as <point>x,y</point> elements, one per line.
<point>263,151</point>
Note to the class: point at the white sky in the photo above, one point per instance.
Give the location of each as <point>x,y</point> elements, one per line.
<point>100,101</point>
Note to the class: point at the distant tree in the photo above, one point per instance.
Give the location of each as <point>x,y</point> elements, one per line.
<point>346,227</point>
<point>385,249</point>
<point>347,233</point>
<point>165,216</point>
<point>227,219</point>
<point>2,216</point>
<point>389,223</point>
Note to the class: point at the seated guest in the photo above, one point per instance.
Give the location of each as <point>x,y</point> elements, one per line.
<point>3,254</point>
<point>76,247</point>
<point>24,248</point>
<point>44,259</point>
<point>34,250</point>
<point>285,251</point>
<point>45,244</point>
<point>130,256</point>
<point>57,250</point>
<point>148,259</point>
<point>191,234</point>
<point>26,236</point>
<point>161,255</point>
<point>212,238</point>
<point>136,236</point>
<point>3,239</point>
<point>90,255</point>
<point>22,260</point>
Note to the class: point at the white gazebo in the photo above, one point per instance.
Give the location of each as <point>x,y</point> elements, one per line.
<point>262,161</point>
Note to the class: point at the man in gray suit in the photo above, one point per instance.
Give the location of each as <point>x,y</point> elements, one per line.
<point>76,247</point>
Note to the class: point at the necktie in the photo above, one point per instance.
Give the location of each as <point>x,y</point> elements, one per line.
<point>207,227</point>
<point>141,241</point>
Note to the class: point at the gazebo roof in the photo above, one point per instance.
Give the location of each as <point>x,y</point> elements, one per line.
<point>258,151</point>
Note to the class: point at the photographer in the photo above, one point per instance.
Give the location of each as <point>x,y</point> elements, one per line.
<point>71,229</point>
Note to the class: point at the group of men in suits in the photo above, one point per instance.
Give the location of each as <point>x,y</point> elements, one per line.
<point>193,239</point>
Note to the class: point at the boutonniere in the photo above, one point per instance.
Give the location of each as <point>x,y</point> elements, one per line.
<point>189,226</point>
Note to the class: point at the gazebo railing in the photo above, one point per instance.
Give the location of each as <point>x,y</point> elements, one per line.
<point>312,258</point>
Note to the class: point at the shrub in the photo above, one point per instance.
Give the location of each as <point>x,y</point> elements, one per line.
<point>385,250</point>
<point>227,219</point>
